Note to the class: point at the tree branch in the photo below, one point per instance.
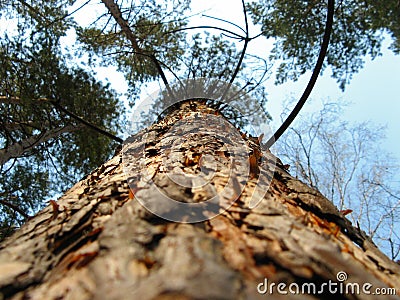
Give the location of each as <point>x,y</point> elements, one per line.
<point>234,35</point>
<point>15,208</point>
<point>115,11</point>
<point>239,64</point>
<point>17,149</point>
<point>313,79</point>
<point>88,124</point>
<point>17,100</point>
<point>117,15</point>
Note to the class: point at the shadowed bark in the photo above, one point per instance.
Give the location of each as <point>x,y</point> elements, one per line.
<point>98,242</point>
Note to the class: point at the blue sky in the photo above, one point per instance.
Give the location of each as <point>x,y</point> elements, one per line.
<point>374,94</point>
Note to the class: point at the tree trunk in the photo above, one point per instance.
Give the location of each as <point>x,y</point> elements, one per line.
<point>238,226</point>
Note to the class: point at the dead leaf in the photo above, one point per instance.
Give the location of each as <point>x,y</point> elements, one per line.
<point>55,209</point>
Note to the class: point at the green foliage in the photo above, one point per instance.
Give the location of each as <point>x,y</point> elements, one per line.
<point>25,185</point>
<point>297,27</point>
<point>34,72</point>
<point>155,26</point>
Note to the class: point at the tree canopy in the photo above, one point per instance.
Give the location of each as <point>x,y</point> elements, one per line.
<point>297,26</point>
<point>56,113</point>
<point>44,148</point>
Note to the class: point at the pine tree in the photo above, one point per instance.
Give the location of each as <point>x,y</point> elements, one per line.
<point>117,235</point>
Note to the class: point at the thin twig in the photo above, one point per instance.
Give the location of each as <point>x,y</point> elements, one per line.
<point>88,124</point>
<point>207,27</point>
<point>243,53</point>
<point>226,21</point>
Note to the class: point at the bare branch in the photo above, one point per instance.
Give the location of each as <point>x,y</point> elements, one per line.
<point>235,35</point>
<point>17,100</point>
<point>225,21</point>
<point>313,79</point>
<point>88,124</point>
<point>15,208</point>
<point>243,53</point>
<point>17,149</point>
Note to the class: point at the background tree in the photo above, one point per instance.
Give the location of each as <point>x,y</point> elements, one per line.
<point>345,163</point>
<point>141,38</point>
<point>44,147</point>
<point>297,26</point>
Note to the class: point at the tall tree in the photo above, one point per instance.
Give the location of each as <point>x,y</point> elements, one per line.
<point>114,235</point>
<point>346,164</point>
<point>40,101</point>
<point>192,207</point>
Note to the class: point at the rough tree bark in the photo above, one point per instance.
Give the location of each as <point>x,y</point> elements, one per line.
<point>98,242</point>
